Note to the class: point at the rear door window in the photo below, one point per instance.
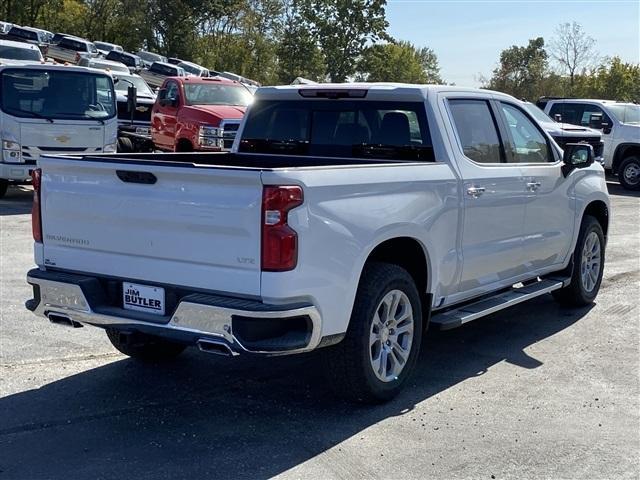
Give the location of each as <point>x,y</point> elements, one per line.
<point>477,130</point>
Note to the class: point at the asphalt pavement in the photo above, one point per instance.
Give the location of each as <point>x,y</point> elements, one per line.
<point>536,391</point>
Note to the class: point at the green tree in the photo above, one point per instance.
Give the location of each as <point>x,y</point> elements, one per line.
<point>399,62</point>
<point>343,28</point>
<point>521,71</point>
<point>298,52</point>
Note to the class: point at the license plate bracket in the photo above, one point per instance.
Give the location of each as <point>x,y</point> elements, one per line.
<point>143,298</point>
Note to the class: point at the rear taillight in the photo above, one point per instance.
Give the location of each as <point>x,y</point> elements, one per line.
<point>36,218</point>
<point>279,240</point>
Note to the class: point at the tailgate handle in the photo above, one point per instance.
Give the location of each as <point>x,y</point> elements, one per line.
<point>146,178</point>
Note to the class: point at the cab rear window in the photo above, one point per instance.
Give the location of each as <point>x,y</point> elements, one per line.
<point>339,128</point>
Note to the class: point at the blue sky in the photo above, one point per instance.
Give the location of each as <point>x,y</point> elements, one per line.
<point>468,35</point>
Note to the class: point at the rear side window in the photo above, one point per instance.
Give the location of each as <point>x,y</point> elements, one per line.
<point>477,130</point>
<point>528,144</point>
<point>339,128</point>
<point>569,112</point>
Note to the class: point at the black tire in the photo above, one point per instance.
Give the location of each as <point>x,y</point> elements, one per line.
<point>575,294</point>
<point>4,186</point>
<point>629,173</point>
<point>125,145</point>
<point>348,365</point>
<point>144,347</point>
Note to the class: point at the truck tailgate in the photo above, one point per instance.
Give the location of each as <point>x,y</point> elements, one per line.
<point>195,226</point>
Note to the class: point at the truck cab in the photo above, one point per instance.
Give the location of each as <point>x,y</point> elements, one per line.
<point>619,123</point>
<point>198,113</point>
<point>52,109</point>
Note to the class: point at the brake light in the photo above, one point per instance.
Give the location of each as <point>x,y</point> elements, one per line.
<point>279,240</point>
<point>36,217</point>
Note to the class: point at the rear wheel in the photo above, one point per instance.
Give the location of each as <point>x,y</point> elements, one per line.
<point>144,347</point>
<point>629,173</point>
<point>588,266</point>
<point>382,343</point>
<point>4,185</point>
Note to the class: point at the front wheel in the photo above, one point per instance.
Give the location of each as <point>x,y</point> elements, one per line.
<point>382,342</point>
<point>629,173</point>
<point>588,266</point>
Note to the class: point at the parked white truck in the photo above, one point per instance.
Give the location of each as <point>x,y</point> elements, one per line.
<point>347,218</point>
<point>47,108</point>
<point>620,126</point>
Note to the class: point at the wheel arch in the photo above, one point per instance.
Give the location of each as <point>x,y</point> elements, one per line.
<point>412,255</point>
<point>623,151</point>
<point>600,211</point>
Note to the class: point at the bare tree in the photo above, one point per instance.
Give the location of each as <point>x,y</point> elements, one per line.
<point>572,48</point>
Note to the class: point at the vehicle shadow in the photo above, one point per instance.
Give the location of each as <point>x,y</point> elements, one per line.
<point>17,201</point>
<point>210,417</point>
<point>615,188</point>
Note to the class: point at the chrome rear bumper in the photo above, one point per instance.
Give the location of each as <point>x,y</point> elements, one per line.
<point>64,296</point>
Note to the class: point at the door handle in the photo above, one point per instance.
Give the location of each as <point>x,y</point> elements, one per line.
<point>533,186</point>
<point>475,192</point>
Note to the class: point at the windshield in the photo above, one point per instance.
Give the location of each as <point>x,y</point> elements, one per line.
<point>216,94</point>
<point>142,89</point>
<point>626,113</point>
<point>339,128</point>
<point>538,114</point>
<point>15,53</point>
<point>56,94</point>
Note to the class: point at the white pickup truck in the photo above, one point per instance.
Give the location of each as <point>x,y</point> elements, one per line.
<point>347,218</point>
<point>620,126</point>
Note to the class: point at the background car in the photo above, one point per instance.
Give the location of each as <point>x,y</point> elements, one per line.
<point>131,60</point>
<point>194,69</point>
<point>104,48</point>
<point>149,57</point>
<point>19,53</point>
<point>103,64</point>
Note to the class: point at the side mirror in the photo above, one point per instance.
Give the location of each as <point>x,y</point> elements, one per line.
<point>558,118</point>
<point>595,121</point>
<point>576,155</point>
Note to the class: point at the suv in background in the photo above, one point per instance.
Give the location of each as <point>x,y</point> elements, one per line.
<point>620,126</point>
<point>158,72</point>
<point>131,60</point>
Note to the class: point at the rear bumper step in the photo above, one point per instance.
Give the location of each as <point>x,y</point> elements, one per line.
<point>471,311</point>
<point>215,324</point>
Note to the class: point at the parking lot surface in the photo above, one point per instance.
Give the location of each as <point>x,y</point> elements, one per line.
<point>536,391</point>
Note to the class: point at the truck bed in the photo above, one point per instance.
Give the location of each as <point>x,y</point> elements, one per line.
<point>236,160</point>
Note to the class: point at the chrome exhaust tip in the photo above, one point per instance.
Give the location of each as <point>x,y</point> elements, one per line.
<point>215,347</point>
<point>63,320</point>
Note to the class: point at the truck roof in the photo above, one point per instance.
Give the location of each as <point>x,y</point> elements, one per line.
<point>377,91</point>
<point>591,100</point>
<point>205,80</point>
<point>50,66</point>
<point>26,46</point>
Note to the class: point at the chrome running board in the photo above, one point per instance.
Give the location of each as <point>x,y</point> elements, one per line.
<point>468,312</point>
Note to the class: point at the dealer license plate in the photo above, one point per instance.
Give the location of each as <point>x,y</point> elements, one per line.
<point>143,298</point>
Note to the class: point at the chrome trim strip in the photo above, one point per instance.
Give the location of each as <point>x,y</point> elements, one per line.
<point>194,318</point>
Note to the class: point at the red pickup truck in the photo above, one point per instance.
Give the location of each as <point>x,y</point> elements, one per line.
<point>198,113</point>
